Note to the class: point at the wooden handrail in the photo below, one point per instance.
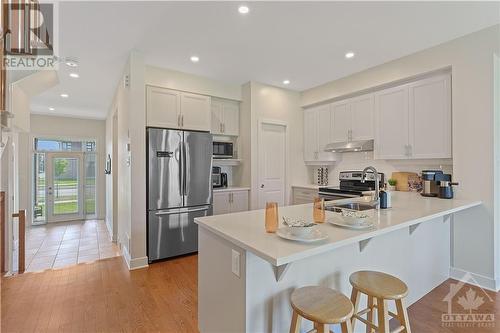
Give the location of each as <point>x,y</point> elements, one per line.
<point>22,240</point>
<point>2,231</point>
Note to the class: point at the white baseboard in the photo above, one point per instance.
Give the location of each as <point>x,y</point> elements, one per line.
<point>126,256</point>
<point>134,263</point>
<point>110,230</point>
<point>137,263</point>
<point>475,279</point>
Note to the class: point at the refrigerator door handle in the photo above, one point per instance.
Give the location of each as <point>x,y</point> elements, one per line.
<point>185,166</point>
<point>181,170</point>
<point>183,211</point>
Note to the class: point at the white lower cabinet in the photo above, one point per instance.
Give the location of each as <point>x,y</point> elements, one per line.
<point>302,195</point>
<point>226,202</point>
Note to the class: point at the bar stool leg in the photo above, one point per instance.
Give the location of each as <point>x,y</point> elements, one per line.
<point>403,315</point>
<point>322,328</point>
<point>355,296</point>
<point>346,327</point>
<point>383,316</point>
<point>295,325</point>
<point>369,315</point>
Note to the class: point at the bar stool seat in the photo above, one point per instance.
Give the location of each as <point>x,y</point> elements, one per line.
<point>378,284</point>
<point>322,306</point>
<point>379,288</point>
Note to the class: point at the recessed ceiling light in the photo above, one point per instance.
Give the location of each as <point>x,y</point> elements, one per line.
<point>195,58</point>
<point>64,95</point>
<point>51,108</point>
<point>243,9</point>
<point>286,81</point>
<point>74,75</point>
<point>71,63</point>
<point>349,55</point>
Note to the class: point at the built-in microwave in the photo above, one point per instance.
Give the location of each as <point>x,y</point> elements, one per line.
<point>223,149</point>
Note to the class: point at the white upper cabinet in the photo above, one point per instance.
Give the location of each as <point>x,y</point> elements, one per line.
<point>413,121</point>
<point>163,107</point>
<point>430,118</point>
<point>353,119</point>
<point>225,117</point>
<point>324,128</point>
<point>174,109</point>
<point>217,116</point>
<point>391,123</point>
<point>341,121</point>
<point>310,135</point>
<point>362,118</point>
<point>195,112</point>
<point>317,134</point>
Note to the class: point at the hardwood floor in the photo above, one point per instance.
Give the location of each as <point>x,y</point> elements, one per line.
<point>104,296</point>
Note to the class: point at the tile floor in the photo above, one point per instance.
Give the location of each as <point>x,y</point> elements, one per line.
<point>62,244</point>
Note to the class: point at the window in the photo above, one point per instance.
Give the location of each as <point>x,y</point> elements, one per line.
<point>64,145</point>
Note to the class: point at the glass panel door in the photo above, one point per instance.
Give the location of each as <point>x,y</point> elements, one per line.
<point>39,189</point>
<point>64,186</point>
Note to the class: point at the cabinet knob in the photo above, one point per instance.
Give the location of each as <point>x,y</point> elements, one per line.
<point>261,185</point>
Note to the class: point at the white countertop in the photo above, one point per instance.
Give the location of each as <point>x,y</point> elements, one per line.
<point>246,229</point>
<point>308,186</point>
<point>231,189</point>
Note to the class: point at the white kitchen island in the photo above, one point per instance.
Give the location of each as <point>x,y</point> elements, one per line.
<point>246,276</point>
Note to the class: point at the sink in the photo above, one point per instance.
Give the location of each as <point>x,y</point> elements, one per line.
<point>351,205</point>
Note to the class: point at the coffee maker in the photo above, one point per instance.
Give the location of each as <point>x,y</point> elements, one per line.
<point>430,180</point>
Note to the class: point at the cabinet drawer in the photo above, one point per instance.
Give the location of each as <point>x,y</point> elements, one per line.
<point>302,196</point>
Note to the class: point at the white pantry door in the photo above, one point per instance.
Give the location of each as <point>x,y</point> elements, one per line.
<point>272,163</point>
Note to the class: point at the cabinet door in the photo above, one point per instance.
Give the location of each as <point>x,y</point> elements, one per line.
<point>231,122</point>
<point>430,118</point>
<point>324,115</point>
<point>341,121</point>
<point>391,123</point>
<point>362,118</point>
<point>195,112</point>
<point>221,204</point>
<point>217,116</point>
<point>162,107</point>
<point>310,135</point>
<point>239,201</point>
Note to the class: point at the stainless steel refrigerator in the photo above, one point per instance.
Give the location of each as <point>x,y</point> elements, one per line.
<point>179,189</point>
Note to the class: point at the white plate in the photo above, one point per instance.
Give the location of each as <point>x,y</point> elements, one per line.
<point>315,235</point>
<point>340,223</point>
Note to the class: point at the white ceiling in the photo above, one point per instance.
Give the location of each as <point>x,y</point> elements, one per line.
<point>302,42</point>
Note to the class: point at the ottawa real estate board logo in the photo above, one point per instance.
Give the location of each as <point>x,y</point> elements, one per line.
<point>29,36</point>
<point>467,304</point>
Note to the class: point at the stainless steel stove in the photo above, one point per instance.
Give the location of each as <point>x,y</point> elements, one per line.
<point>350,185</point>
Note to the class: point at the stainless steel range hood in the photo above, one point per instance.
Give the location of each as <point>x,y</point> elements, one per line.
<point>343,147</point>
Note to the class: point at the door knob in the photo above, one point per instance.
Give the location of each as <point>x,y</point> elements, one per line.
<point>261,185</point>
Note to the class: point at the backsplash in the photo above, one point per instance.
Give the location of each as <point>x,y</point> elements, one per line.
<point>359,160</point>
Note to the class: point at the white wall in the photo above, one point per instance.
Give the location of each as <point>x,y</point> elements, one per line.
<point>470,58</point>
<point>262,101</point>
<point>167,78</point>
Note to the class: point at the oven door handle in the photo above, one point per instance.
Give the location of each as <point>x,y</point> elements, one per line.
<point>326,195</point>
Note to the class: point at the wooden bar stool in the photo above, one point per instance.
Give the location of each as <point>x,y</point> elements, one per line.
<point>379,287</point>
<point>322,306</point>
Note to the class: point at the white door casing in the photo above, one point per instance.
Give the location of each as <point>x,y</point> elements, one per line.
<point>272,162</point>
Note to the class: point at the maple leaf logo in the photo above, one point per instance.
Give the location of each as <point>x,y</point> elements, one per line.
<point>470,301</point>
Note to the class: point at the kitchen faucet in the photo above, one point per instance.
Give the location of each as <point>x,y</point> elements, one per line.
<point>376,199</point>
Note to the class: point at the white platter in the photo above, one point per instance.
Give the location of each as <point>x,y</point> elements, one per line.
<point>340,223</point>
<point>314,236</point>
